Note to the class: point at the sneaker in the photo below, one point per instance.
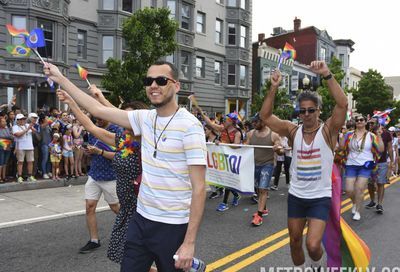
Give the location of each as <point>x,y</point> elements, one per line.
<point>357,216</point>
<point>257,220</point>
<point>90,246</point>
<point>235,201</point>
<point>353,209</point>
<point>254,198</point>
<point>274,188</point>
<point>379,209</point>
<point>31,178</point>
<point>50,175</point>
<point>213,195</point>
<point>265,212</point>
<point>370,205</point>
<point>222,207</point>
<point>45,176</point>
<point>20,179</point>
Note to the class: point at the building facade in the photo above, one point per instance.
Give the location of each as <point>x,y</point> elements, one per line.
<point>213,53</point>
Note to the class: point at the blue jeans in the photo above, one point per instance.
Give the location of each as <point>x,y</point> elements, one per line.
<point>45,164</point>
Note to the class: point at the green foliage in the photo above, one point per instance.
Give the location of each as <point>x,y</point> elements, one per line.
<point>149,34</point>
<point>373,93</point>
<point>328,103</point>
<point>282,105</point>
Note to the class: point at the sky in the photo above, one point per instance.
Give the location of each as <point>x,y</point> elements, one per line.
<point>372,25</point>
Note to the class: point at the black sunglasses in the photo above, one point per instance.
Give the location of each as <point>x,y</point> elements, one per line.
<point>360,120</point>
<point>309,110</point>
<point>161,81</point>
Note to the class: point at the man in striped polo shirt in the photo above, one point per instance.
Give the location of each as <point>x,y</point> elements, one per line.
<point>172,193</point>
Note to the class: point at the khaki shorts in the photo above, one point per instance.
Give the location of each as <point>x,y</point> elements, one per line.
<point>28,153</point>
<point>55,158</point>
<point>93,190</point>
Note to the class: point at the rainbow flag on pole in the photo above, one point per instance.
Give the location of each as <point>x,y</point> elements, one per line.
<point>16,32</point>
<point>344,248</point>
<point>288,53</point>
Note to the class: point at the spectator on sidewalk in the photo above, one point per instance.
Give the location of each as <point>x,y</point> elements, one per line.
<point>55,155</point>
<point>6,139</point>
<point>68,152</point>
<point>46,137</point>
<point>77,133</point>
<point>33,118</point>
<point>24,146</point>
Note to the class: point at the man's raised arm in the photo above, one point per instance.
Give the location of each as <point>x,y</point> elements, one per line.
<point>113,115</point>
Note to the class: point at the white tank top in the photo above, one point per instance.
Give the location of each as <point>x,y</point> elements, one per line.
<point>359,157</point>
<point>311,167</point>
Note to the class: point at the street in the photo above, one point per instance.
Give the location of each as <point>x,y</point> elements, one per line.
<point>226,242</point>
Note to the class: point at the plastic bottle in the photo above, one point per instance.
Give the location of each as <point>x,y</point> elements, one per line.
<point>197,264</point>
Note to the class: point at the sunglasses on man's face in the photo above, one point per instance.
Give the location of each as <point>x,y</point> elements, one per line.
<point>161,80</point>
<point>309,110</point>
<point>360,120</point>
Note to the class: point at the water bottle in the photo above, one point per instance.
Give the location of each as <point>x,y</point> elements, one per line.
<point>197,265</point>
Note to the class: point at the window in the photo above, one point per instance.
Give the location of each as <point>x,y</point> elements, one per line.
<point>231,3</point>
<point>81,44</point>
<point>64,43</point>
<point>19,22</point>
<point>185,17</point>
<point>221,2</point>
<point>47,26</point>
<point>124,49</point>
<point>232,74</point>
<point>201,21</point>
<point>127,5</point>
<point>153,3</point>
<point>243,36</point>
<point>243,4</point>
<point>108,4</point>
<point>185,62</point>
<point>323,54</point>
<point>341,58</point>
<point>108,48</point>
<point>170,58</point>
<point>171,4</point>
<point>218,31</point>
<point>200,69</point>
<point>243,76</point>
<point>217,72</point>
<point>231,34</point>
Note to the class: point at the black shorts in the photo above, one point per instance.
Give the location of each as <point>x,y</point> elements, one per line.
<point>309,208</point>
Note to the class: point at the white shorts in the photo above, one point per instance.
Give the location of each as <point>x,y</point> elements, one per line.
<point>93,190</point>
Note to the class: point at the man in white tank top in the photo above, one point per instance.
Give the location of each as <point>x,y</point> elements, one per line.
<point>313,143</point>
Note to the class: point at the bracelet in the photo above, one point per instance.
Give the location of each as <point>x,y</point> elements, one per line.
<point>102,152</point>
<point>327,77</point>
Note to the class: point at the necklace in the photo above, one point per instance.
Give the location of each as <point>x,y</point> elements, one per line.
<point>312,143</point>
<point>159,137</point>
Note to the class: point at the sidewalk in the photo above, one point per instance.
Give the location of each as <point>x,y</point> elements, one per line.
<point>39,184</point>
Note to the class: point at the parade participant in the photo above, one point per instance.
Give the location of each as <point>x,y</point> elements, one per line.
<point>395,146</point>
<point>264,164</point>
<point>383,169</point>
<point>313,143</point>
<point>361,152</point>
<point>229,134</point>
<point>172,193</point>
<point>283,160</point>
<point>212,137</point>
<point>127,167</point>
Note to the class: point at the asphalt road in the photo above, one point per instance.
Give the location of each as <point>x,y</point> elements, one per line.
<point>226,242</point>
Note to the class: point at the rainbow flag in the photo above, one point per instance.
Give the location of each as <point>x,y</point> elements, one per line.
<point>82,72</point>
<point>289,51</point>
<point>5,143</point>
<point>16,32</point>
<point>20,50</point>
<point>344,248</point>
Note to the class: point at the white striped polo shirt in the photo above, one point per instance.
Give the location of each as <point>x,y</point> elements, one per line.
<point>165,193</point>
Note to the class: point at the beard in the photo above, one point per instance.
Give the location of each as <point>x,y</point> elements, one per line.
<point>167,100</point>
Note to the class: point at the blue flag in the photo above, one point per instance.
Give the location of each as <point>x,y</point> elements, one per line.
<point>35,38</point>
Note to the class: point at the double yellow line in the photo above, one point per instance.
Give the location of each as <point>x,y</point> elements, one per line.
<point>268,250</point>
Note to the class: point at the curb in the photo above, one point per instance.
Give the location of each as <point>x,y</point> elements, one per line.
<point>39,184</point>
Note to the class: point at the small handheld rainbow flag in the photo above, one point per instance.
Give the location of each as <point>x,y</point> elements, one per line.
<point>288,53</point>
<point>82,73</point>
<point>16,32</point>
<point>5,143</point>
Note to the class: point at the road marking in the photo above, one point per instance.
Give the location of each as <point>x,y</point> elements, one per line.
<point>248,261</point>
<point>47,217</point>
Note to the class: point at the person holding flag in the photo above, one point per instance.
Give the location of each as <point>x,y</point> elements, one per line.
<point>313,144</point>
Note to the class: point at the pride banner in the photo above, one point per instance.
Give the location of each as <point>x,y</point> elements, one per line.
<point>231,167</point>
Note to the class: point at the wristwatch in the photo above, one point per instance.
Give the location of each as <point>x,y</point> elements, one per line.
<point>327,77</point>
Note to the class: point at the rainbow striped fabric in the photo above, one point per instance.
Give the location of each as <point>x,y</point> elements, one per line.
<point>16,32</point>
<point>309,165</point>
<point>5,143</point>
<point>344,248</point>
<point>82,72</point>
<point>289,52</point>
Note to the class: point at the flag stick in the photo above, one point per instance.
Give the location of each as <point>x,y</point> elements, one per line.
<point>37,54</point>
<point>87,80</point>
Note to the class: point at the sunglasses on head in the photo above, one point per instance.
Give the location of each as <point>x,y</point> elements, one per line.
<point>309,110</point>
<point>360,120</point>
<point>161,80</point>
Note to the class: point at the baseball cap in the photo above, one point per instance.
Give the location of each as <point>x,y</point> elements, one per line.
<point>56,135</point>
<point>33,115</point>
<point>391,129</point>
<point>233,116</point>
<point>20,116</point>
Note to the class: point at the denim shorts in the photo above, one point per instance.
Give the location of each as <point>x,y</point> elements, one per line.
<point>4,156</point>
<point>355,171</point>
<point>263,175</point>
<point>68,153</point>
<point>317,208</point>
<point>380,174</point>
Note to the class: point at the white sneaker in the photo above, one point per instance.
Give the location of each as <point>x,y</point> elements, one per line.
<point>31,178</point>
<point>353,209</point>
<point>45,176</point>
<point>20,180</point>
<point>357,216</point>
<point>50,175</point>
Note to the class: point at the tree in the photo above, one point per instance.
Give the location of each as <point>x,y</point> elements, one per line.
<point>328,103</point>
<point>282,105</point>
<point>373,93</point>
<point>149,35</point>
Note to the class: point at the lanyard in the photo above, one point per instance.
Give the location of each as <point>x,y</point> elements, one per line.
<point>159,137</point>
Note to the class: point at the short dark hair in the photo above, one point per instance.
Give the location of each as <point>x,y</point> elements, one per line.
<point>135,105</point>
<point>174,69</point>
<point>310,96</point>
